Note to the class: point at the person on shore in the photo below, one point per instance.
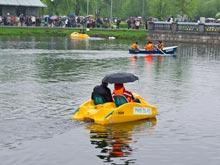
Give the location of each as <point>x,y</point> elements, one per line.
<point>102,91</point>
<point>134,46</point>
<point>149,46</point>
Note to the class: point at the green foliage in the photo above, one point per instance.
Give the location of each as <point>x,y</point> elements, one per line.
<point>119,34</point>
<point>217,16</point>
<point>161,9</point>
<point>209,8</point>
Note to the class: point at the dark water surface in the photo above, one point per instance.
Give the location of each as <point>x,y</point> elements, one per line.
<point>44,80</point>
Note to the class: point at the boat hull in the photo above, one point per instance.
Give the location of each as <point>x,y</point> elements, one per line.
<point>108,113</point>
<point>165,51</point>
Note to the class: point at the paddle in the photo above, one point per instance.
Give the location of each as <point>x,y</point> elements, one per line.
<point>160,50</point>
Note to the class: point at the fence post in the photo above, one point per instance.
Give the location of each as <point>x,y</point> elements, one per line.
<point>151,26</point>
<point>174,27</point>
<point>201,27</point>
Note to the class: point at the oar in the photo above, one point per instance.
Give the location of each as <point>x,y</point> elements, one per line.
<point>160,50</point>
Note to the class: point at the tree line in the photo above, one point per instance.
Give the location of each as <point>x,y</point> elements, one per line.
<point>160,9</point>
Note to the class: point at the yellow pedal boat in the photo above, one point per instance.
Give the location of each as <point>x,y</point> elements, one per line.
<point>111,113</point>
<point>79,36</point>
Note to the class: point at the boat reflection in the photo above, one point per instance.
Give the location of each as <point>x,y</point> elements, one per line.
<point>133,59</point>
<point>148,58</point>
<point>115,143</point>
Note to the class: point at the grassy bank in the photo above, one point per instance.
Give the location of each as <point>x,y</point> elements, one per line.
<point>32,31</point>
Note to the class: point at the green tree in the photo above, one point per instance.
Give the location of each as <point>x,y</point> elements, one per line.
<point>208,8</point>
<point>161,8</point>
<point>125,8</point>
<point>186,7</point>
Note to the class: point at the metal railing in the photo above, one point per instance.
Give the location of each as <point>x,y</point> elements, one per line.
<point>187,27</point>
<point>184,27</point>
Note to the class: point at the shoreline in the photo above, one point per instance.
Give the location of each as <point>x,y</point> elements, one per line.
<point>62,32</point>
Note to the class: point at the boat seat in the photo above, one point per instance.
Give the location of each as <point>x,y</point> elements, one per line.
<point>120,100</point>
<point>98,99</point>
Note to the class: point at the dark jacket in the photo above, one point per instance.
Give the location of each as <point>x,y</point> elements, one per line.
<point>103,91</point>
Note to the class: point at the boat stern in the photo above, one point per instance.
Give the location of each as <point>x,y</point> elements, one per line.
<point>127,112</point>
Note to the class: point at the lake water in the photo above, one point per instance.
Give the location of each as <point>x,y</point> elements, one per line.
<point>44,80</point>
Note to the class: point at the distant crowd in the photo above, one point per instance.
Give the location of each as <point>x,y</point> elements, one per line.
<point>10,20</point>
<point>134,22</point>
<point>54,21</point>
<point>86,21</point>
<point>69,21</point>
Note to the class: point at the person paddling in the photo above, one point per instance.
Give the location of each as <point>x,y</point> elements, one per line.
<point>160,45</point>
<point>134,46</point>
<point>149,46</point>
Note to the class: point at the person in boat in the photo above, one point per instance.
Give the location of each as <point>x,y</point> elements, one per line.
<point>160,45</point>
<point>134,46</point>
<point>103,91</point>
<point>119,89</point>
<point>149,46</point>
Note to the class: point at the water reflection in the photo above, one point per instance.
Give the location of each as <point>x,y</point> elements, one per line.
<point>60,43</point>
<point>115,143</point>
<point>148,62</point>
<point>147,58</point>
<point>201,50</point>
<point>56,67</point>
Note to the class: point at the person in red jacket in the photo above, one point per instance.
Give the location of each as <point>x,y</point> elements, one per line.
<point>119,89</point>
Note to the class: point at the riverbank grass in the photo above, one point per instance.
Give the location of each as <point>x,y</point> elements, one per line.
<point>105,33</point>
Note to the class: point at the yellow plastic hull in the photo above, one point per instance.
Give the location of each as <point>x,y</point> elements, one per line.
<point>80,36</point>
<point>108,113</point>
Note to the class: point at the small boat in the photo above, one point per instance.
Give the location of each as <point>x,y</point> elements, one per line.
<point>79,36</point>
<point>166,51</point>
<point>120,110</point>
